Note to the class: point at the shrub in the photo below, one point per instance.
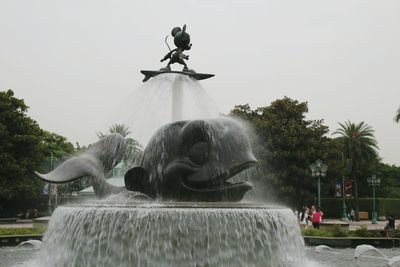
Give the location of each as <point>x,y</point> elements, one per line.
<point>338,231</point>
<point>316,232</point>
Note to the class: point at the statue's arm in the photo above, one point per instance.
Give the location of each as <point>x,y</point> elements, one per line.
<point>168,56</point>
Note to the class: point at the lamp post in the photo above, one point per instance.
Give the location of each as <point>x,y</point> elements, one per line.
<point>374,182</point>
<point>319,169</point>
<point>344,216</point>
<point>49,204</point>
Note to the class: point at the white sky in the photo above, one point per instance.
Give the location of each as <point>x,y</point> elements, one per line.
<point>73,61</point>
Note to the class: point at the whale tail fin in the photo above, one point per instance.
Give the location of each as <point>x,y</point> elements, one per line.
<point>94,162</point>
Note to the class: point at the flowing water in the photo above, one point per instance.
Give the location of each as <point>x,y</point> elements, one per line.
<point>163,99</point>
<point>172,234</point>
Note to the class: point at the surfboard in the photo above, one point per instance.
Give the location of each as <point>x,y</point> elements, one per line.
<point>198,76</point>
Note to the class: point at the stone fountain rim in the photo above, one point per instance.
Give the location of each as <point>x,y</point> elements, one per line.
<point>177,205</point>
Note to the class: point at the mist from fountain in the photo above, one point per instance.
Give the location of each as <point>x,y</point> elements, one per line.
<point>165,98</point>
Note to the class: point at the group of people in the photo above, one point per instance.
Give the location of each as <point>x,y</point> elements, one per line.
<point>310,216</point>
<point>29,214</point>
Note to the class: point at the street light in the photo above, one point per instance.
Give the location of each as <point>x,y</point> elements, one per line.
<point>344,215</point>
<point>319,169</point>
<point>49,204</point>
<point>374,182</point>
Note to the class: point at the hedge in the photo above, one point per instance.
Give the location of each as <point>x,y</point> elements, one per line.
<point>333,207</point>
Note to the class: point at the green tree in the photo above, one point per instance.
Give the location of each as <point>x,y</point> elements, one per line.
<point>360,147</point>
<point>20,149</point>
<point>390,180</point>
<point>55,146</point>
<point>121,129</point>
<point>287,144</point>
<point>24,146</point>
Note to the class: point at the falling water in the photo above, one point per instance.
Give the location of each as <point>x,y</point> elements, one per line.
<point>163,99</point>
<point>172,234</point>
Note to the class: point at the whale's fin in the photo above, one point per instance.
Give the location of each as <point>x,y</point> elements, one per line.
<point>94,162</point>
<point>71,169</point>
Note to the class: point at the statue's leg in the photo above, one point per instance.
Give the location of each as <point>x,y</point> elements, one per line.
<point>182,62</point>
<point>168,67</point>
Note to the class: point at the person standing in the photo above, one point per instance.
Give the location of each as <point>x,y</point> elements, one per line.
<point>316,218</point>
<point>303,216</point>
<point>352,214</point>
<point>390,227</point>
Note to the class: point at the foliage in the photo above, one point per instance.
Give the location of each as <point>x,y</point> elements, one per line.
<point>122,129</point>
<point>316,232</point>
<point>287,145</point>
<point>335,232</point>
<point>20,149</point>
<point>134,151</point>
<point>338,231</point>
<point>360,147</point>
<point>390,180</point>
<point>24,146</point>
<point>361,231</point>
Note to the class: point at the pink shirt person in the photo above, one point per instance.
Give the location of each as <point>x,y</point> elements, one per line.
<point>316,217</point>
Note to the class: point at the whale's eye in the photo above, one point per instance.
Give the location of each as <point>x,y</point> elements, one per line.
<point>199,153</point>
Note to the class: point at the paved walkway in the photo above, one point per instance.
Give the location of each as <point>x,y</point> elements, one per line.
<point>25,223</point>
<point>354,225</point>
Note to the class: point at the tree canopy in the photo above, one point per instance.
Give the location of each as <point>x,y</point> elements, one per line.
<point>289,143</point>
<point>24,146</point>
<point>360,147</point>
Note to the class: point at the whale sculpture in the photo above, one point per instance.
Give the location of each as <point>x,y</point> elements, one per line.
<point>192,161</point>
<point>184,161</point>
<point>95,162</point>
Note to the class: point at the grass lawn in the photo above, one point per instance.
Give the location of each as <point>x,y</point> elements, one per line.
<point>22,231</point>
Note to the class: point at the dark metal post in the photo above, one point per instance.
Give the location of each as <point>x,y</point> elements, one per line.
<point>49,204</point>
<point>319,191</point>
<point>374,181</point>
<point>374,213</point>
<point>344,216</point>
<point>319,169</point>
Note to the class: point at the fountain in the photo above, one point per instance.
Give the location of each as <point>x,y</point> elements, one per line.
<point>180,207</point>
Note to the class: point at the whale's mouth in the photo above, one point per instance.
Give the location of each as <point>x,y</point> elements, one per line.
<point>220,183</point>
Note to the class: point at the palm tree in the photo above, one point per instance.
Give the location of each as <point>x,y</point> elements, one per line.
<point>397,118</point>
<point>360,148</point>
<point>134,150</point>
<point>122,129</point>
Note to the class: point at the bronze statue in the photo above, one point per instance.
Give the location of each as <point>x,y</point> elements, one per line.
<point>182,42</point>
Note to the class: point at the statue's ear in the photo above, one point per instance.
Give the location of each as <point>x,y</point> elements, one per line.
<point>135,179</point>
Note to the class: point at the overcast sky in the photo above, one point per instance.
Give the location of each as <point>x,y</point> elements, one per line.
<point>73,61</point>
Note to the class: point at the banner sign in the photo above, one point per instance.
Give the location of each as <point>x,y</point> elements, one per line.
<point>338,188</point>
<point>348,188</point>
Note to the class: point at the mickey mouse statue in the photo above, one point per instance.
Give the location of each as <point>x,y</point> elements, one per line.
<point>182,42</point>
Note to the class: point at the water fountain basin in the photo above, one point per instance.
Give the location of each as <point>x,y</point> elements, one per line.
<point>172,234</point>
